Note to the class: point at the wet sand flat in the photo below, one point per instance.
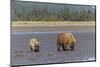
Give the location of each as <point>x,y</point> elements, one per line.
<point>53,28</point>
<point>21,54</point>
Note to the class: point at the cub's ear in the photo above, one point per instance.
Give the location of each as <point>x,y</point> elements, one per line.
<point>38,42</point>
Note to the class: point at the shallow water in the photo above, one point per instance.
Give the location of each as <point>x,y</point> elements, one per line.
<point>22,55</point>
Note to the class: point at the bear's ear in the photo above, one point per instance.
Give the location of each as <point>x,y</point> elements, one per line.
<point>38,42</point>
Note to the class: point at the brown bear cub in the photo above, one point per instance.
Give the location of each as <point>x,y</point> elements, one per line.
<point>34,45</point>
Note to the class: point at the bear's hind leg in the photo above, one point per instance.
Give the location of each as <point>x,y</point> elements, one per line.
<point>31,48</point>
<point>58,47</point>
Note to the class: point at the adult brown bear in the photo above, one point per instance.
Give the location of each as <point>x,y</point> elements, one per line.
<point>66,41</point>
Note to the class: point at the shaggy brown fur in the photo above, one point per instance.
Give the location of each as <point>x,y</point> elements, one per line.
<point>66,41</point>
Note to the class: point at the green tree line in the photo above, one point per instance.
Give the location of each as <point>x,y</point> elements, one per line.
<point>44,14</point>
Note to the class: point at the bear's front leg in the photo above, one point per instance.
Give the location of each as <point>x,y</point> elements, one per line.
<point>72,46</point>
<point>36,49</point>
<point>63,47</point>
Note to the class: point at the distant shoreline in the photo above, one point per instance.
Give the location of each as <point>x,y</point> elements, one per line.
<point>51,23</point>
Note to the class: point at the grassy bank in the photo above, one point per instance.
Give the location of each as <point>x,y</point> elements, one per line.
<point>51,23</point>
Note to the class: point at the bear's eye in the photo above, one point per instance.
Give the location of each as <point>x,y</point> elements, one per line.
<point>32,42</point>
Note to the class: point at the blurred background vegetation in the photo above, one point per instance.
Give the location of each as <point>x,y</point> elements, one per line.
<point>31,11</point>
